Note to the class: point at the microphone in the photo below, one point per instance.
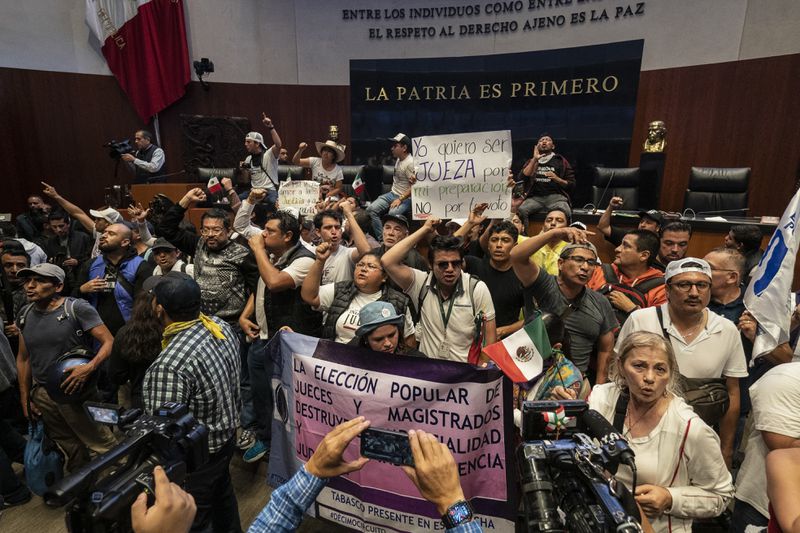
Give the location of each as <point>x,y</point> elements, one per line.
<point>598,427</point>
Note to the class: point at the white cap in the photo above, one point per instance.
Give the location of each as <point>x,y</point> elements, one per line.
<point>109,214</point>
<point>257,137</point>
<point>687,264</point>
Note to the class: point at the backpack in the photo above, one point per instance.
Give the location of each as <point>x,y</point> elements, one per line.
<point>69,314</point>
<point>636,294</point>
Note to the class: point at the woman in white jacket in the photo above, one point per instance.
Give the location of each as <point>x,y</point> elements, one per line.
<point>681,472</point>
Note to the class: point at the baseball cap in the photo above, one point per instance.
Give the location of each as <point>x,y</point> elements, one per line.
<point>163,244</point>
<point>377,314</point>
<point>574,246</point>
<point>579,225</point>
<point>109,214</point>
<point>177,293</point>
<point>402,138</point>
<point>397,218</point>
<point>257,137</point>
<point>653,214</point>
<point>46,270</point>
<point>682,266</point>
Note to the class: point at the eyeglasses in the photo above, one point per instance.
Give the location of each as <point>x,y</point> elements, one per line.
<point>686,286</point>
<point>368,266</point>
<point>442,265</point>
<point>580,261</point>
<point>212,231</point>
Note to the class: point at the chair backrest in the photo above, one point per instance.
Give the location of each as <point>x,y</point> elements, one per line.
<point>622,182</point>
<point>206,173</point>
<point>718,190</point>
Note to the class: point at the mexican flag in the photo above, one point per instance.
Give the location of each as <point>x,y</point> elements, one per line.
<point>144,44</point>
<point>358,184</point>
<point>521,355</point>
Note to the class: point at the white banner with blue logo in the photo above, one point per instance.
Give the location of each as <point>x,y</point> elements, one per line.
<point>769,295</point>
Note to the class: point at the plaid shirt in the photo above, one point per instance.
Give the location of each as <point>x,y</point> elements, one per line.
<point>202,372</point>
<point>285,509</point>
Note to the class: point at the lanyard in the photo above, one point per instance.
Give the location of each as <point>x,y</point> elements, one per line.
<point>446,318</point>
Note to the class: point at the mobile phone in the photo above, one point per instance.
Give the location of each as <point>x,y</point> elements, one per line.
<point>103,413</point>
<point>386,445</point>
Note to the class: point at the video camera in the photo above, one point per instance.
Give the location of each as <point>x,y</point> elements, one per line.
<point>572,477</point>
<point>117,149</point>
<point>99,495</point>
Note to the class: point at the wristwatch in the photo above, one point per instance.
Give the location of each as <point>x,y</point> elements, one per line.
<point>459,513</point>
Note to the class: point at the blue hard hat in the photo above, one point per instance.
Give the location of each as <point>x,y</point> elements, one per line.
<point>56,376</point>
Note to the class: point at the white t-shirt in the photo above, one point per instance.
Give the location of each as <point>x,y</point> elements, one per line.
<point>775,398</point>
<point>339,266</point>
<point>298,271</point>
<point>348,322</point>
<point>453,341</point>
<point>260,175</point>
<point>179,266</point>
<point>318,172</point>
<point>403,169</point>
<point>715,352</point>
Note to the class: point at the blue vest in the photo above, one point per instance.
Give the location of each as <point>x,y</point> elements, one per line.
<point>127,269</point>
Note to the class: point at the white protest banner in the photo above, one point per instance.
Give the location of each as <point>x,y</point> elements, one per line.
<point>456,199</point>
<point>446,164</point>
<point>300,195</point>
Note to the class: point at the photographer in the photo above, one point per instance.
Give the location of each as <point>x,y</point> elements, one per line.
<point>435,474</point>
<point>682,474</point>
<point>148,159</point>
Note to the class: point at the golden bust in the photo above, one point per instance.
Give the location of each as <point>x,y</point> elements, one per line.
<point>656,137</point>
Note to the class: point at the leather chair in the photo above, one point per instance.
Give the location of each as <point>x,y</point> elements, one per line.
<point>718,190</point>
<point>610,182</point>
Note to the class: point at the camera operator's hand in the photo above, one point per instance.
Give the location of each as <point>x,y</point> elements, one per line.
<point>173,511</point>
<point>327,460</point>
<point>653,499</point>
<point>563,393</point>
<point>97,284</point>
<point>435,472</point>
<point>128,158</point>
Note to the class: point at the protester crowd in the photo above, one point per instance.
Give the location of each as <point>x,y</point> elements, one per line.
<point>172,312</point>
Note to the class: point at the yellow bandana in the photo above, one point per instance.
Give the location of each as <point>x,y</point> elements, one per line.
<point>176,327</point>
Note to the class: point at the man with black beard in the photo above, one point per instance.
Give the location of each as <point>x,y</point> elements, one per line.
<point>31,223</point>
<point>113,279</point>
<point>148,160</point>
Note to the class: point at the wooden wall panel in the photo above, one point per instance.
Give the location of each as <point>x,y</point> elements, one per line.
<point>739,114</point>
<point>731,114</point>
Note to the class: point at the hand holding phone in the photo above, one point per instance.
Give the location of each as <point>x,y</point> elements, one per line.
<point>387,446</point>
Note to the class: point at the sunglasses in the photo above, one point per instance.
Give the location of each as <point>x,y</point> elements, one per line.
<point>442,265</point>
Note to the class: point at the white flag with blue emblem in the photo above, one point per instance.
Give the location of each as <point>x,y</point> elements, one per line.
<point>769,295</point>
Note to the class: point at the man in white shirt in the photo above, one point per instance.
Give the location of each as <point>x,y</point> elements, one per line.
<point>339,266</point>
<point>448,301</point>
<point>261,164</point>
<point>398,200</point>
<point>776,422</point>
<point>706,345</point>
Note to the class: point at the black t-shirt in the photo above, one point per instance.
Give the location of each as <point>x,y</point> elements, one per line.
<point>505,287</point>
<point>541,185</point>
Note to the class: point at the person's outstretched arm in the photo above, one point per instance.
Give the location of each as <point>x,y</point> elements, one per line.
<point>72,210</point>
<point>392,260</point>
<point>604,224</point>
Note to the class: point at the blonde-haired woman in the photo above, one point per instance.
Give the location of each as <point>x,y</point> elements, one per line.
<point>681,473</point>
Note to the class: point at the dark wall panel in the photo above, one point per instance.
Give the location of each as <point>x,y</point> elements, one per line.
<point>731,114</point>
<point>738,114</point>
